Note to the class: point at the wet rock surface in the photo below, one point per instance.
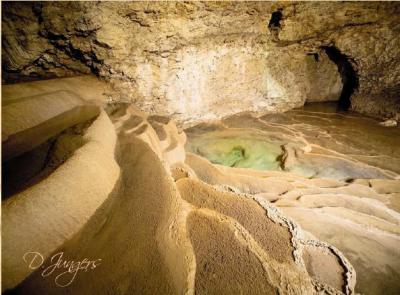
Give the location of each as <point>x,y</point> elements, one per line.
<point>315,141</point>
<point>338,182</point>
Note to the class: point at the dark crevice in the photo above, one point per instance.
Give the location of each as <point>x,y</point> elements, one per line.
<point>274,24</point>
<point>276,17</point>
<point>89,58</point>
<point>37,10</point>
<point>348,74</point>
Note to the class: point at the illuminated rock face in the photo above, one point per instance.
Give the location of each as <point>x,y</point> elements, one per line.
<point>198,61</point>
<point>209,84</point>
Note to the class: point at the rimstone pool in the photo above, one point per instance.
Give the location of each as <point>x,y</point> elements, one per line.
<point>351,162</point>
<point>239,150</point>
<point>315,141</point>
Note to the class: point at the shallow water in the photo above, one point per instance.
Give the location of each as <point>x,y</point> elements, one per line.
<point>238,151</point>
<point>314,141</point>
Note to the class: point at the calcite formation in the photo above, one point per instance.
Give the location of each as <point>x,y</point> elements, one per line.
<point>23,129</point>
<point>186,234</point>
<point>336,175</point>
<point>203,60</point>
<point>158,141</point>
<point>126,188</point>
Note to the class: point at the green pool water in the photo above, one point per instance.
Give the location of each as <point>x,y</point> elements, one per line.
<point>238,152</point>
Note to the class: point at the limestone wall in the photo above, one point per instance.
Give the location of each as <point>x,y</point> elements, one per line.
<point>202,60</point>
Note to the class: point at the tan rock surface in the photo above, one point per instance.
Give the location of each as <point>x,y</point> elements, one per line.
<point>42,217</point>
<point>203,60</point>
<point>91,89</point>
<point>23,130</point>
<point>157,235</point>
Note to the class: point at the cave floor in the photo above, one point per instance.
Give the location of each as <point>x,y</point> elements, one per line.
<point>298,201</point>
<point>352,161</point>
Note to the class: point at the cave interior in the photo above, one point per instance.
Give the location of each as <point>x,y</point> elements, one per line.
<point>197,147</point>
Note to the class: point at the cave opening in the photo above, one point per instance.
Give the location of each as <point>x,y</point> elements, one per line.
<point>347,73</point>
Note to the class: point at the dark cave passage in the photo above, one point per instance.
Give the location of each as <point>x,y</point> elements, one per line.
<point>347,73</point>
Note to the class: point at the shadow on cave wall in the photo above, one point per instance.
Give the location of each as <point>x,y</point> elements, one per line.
<point>347,73</point>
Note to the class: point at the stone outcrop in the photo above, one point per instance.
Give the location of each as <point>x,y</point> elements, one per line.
<point>204,60</point>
